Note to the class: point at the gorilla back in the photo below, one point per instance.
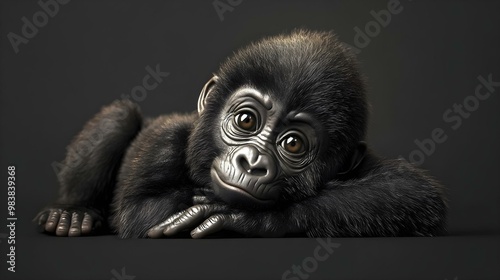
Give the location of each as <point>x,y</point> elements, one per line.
<point>276,149</point>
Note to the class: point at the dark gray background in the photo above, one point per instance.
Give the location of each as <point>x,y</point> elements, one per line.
<point>89,54</point>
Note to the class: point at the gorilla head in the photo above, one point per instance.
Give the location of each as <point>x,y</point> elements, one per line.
<point>280,118</point>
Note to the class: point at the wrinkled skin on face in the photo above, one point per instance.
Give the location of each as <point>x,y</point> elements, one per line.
<point>263,145</point>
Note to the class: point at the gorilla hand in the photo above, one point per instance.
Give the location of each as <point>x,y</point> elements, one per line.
<point>206,219</point>
<point>64,220</point>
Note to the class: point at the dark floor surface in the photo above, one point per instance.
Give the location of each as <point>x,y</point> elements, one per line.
<point>459,256</point>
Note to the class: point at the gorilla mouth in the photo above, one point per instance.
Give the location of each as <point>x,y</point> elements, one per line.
<point>235,194</point>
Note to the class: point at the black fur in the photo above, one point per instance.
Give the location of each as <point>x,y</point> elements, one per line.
<point>344,192</point>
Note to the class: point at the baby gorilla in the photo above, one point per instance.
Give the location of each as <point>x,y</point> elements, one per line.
<point>275,149</point>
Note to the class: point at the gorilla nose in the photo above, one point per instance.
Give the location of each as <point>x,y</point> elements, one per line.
<point>254,163</point>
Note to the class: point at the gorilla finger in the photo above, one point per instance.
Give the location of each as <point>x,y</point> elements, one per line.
<point>190,218</point>
<point>52,221</point>
<point>87,224</point>
<point>42,218</point>
<point>76,224</point>
<point>63,226</point>
<point>200,199</point>
<point>172,218</point>
<point>157,231</point>
<point>211,225</point>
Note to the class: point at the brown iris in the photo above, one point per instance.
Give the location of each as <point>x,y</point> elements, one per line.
<point>246,121</point>
<point>293,144</point>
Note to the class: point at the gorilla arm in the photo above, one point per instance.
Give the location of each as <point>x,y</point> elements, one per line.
<point>391,198</point>
<point>153,182</point>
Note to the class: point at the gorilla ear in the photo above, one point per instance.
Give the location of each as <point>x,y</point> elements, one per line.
<point>205,92</point>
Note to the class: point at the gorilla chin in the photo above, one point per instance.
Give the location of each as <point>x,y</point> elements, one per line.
<point>242,192</point>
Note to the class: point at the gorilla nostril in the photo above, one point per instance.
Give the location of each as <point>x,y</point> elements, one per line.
<point>244,164</point>
<point>256,171</point>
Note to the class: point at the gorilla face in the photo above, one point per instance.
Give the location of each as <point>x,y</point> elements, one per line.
<point>262,144</point>
<point>280,117</point>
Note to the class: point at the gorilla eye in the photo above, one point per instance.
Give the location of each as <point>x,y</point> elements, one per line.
<point>293,144</point>
<point>246,120</point>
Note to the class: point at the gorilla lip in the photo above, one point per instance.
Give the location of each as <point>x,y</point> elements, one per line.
<point>223,188</point>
